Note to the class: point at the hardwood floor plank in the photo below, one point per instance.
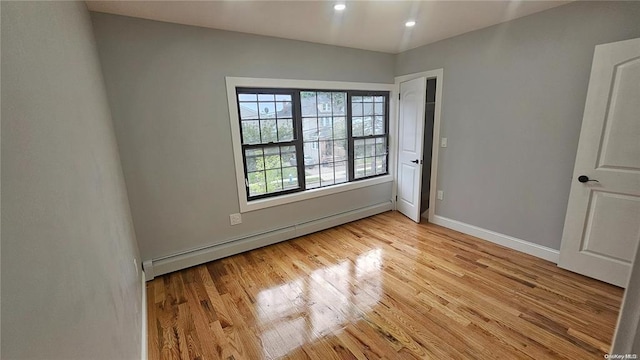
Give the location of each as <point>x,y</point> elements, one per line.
<point>251,342</point>
<point>348,342</point>
<point>200,327</point>
<point>183,327</point>
<point>158,291</point>
<point>380,288</point>
<point>213,295</point>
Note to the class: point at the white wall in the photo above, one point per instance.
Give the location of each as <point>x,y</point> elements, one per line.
<point>166,87</point>
<point>512,108</point>
<point>69,286</point>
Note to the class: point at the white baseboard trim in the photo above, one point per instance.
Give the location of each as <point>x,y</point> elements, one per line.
<point>500,239</point>
<point>230,247</point>
<point>147,268</point>
<point>143,338</point>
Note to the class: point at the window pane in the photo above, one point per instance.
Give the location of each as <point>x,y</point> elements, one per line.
<point>288,159</point>
<point>312,177</point>
<point>379,109</point>
<point>381,165</point>
<point>324,103</point>
<point>340,150</point>
<point>311,154</point>
<point>368,109</point>
<point>356,99</point>
<point>285,129</point>
<point>283,97</point>
<point>272,161</point>
<point>358,148</point>
<point>339,128</point>
<point>341,172</point>
<point>327,176</point>
<point>256,183</point>
<point>255,162</point>
<point>367,98</point>
<point>247,97</point>
<point>248,110</point>
<point>266,97</point>
<point>283,110</point>
<point>272,150</point>
<point>253,152</point>
<point>268,130</point>
<point>369,166</point>
<point>379,125</point>
<point>308,100</point>
<point>381,146</point>
<point>250,132</point>
<point>309,129</point>
<point>274,180</point>
<point>368,126</point>
<point>356,109</point>
<point>369,147</point>
<point>339,103</point>
<point>358,168</point>
<point>267,110</point>
<point>326,151</point>
<point>288,156</point>
<point>325,128</point>
<point>356,126</point>
<point>271,169</point>
<point>290,177</point>
<point>378,98</point>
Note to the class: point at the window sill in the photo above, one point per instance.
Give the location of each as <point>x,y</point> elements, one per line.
<point>246,206</point>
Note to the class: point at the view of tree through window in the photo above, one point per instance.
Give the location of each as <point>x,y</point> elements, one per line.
<point>296,140</point>
<point>267,119</point>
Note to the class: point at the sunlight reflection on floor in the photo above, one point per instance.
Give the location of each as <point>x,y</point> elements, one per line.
<point>304,310</point>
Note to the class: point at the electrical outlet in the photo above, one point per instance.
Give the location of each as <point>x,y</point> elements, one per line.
<point>235,219</point>
<point>440,194</point>
<point>443,142</point>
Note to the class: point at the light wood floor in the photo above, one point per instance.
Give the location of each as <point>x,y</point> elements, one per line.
<point>380,288</point>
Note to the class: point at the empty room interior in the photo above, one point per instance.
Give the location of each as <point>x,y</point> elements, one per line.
<point>320,179</point>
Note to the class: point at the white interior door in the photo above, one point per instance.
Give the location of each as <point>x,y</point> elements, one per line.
<point>602,226</point>
<point>410,142</point>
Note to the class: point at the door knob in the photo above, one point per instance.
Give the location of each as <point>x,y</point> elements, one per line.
<point>585,178</point>
<point>415,161</point>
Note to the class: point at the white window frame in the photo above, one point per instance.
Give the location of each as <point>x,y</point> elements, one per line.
<point>235,82</point>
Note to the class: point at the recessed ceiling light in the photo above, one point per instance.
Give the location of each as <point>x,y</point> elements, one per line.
<point>410,23</point>
<point>340,7</point>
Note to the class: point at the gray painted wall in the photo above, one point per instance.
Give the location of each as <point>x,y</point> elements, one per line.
<point>513,100</point>
<point>69,286</point>
<point>166,88</point>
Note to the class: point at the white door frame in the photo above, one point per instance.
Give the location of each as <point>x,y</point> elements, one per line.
<point>626,339</point>
<point>438,75</point>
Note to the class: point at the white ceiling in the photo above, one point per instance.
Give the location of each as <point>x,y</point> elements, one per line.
<point>371,25</point>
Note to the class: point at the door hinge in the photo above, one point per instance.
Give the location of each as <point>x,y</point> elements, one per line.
<point>398,96</point>
<point>396,197</point>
